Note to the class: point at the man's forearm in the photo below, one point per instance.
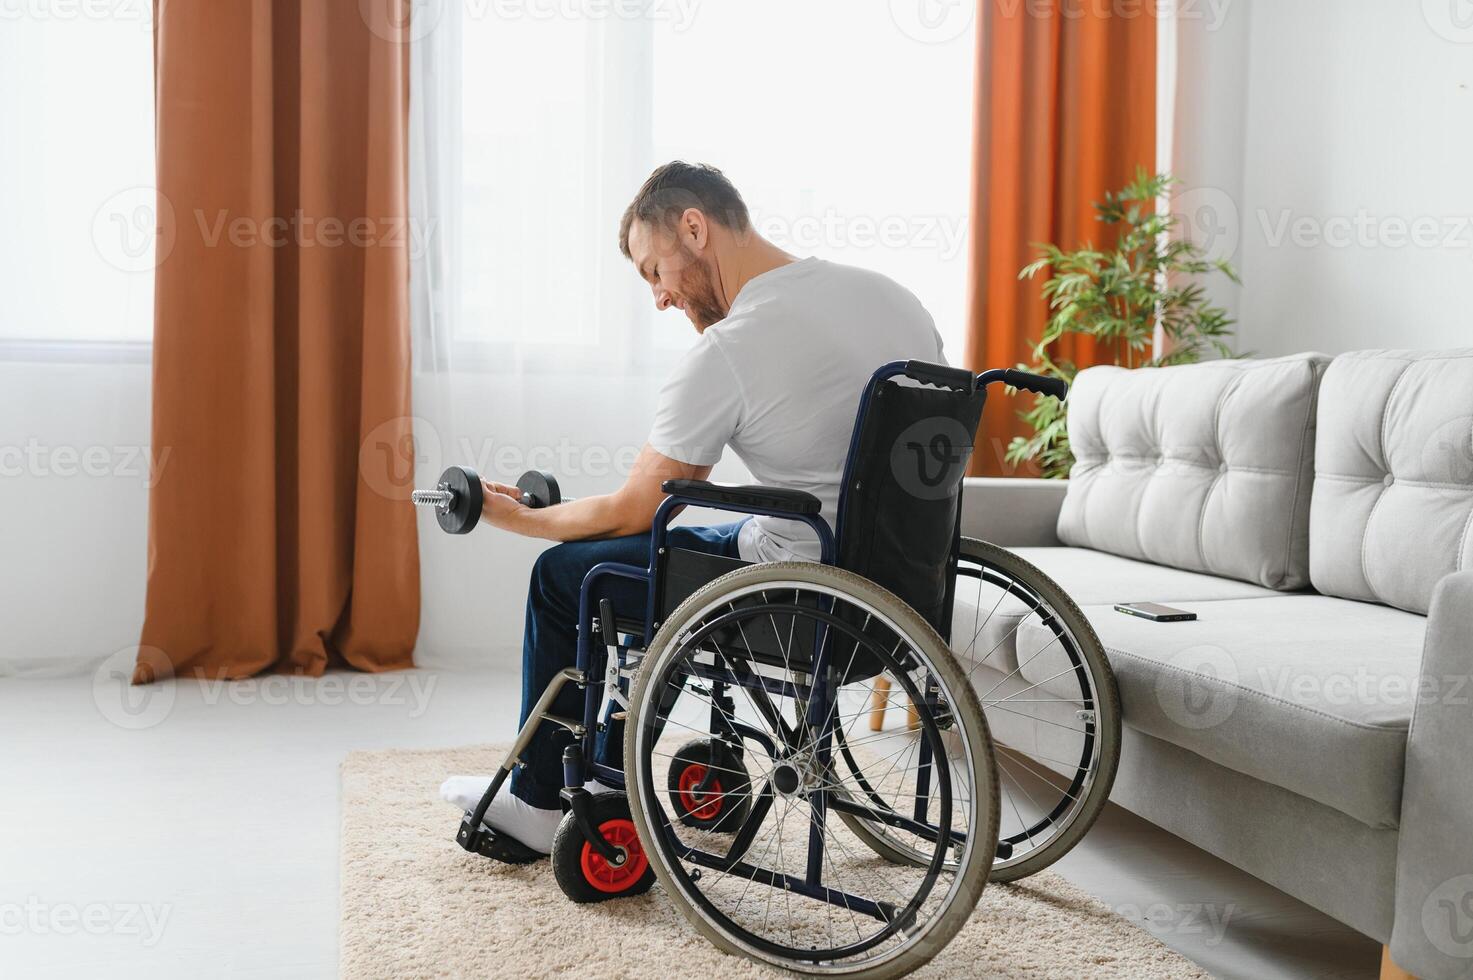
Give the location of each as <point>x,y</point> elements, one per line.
<point>629,510</point>
<point>605,516</point>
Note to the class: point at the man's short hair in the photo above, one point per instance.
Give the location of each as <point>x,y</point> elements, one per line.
<point>678,185</point>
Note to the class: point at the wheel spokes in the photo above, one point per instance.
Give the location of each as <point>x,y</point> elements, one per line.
<point>792,839</point>
<point>1041,700</point>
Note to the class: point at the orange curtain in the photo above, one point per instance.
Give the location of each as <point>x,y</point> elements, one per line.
<point>1065,110</point>
<point>281,341</point>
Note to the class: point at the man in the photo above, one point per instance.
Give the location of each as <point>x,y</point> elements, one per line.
<point>786,346</point>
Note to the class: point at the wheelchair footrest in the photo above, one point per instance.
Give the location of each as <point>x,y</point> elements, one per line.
<point>486,842</point>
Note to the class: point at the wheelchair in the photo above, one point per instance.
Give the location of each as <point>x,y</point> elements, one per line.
<point>758,787</point>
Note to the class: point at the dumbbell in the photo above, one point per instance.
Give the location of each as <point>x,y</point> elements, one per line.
<point>458,497</point>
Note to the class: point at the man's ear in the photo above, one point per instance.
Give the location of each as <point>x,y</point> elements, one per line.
<point>693,229</point>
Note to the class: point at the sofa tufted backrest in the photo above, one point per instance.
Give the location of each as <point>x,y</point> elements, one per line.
<point>1206,467</point>
<point>1393,488</point>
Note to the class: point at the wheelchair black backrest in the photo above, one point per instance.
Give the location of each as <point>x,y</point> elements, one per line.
<point>900,506</point>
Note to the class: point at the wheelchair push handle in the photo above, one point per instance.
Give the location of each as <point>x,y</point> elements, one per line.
<point>1036,383</point>
<point>940,375</point>
<point>961,379</point>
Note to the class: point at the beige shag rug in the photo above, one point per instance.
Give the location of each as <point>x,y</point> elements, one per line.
<point>414,904</point>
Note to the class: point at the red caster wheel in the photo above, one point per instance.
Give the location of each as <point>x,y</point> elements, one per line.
<point>583,873</point>
<point>709,787</point>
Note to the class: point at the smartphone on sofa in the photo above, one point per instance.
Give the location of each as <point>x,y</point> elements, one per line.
<point>1155,612</point>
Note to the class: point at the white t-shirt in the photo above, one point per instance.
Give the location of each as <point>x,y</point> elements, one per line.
<point>779,381</point>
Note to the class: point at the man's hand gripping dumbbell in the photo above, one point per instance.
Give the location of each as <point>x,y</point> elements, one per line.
<point>460,497</point>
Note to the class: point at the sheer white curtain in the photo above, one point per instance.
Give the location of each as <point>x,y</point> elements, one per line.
<point>846,126</point>
<point>76,320</point>
<point>529,133</point>
<point>76,159</point>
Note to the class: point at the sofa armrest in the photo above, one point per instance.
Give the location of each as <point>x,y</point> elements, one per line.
<point>1012,512</point>
<point>1432,936</point>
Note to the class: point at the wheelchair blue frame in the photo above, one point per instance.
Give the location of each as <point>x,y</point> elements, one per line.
<point>593,697</point>
<point>594,693</point>
<point>599,629</point>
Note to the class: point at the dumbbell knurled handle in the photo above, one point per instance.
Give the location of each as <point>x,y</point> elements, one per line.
<point>443,499</point>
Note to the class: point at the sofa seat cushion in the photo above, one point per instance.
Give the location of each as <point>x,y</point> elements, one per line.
<point>1393,486</point>
<point>1310,693</point>
<point>1206,467</point>
<point>984,630</point>
<point>1094,577</point>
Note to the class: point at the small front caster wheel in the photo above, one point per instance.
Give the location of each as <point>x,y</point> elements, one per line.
<point>709,787</point>
<point>583,873</point>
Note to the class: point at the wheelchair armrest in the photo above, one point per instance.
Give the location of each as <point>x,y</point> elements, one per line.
<point>731,495</point>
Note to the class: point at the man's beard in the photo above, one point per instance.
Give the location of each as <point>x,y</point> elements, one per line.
<point>702,304</point>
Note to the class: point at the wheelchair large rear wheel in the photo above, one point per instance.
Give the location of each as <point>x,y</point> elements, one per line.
<point>1051,703</point>
<point>773,657</point>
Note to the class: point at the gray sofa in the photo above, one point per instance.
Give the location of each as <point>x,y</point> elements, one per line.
<point>1315,725</point>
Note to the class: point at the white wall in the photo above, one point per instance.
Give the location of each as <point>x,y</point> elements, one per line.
<point>1326,144</point>
<point>1208,127</point>
<point>74,472</point>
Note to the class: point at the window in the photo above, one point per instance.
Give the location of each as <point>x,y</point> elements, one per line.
<point>849,137</point>
<point>76,156</point>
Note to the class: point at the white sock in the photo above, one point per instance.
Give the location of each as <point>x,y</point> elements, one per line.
<point>466,791</point>
<point>507,813</point>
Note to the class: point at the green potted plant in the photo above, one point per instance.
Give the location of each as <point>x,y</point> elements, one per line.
<point>1151,277</point>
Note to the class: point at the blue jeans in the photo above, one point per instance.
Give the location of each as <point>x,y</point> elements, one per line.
<point>550,642</point>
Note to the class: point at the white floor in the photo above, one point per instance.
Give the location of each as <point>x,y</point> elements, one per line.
<point>192,831</point>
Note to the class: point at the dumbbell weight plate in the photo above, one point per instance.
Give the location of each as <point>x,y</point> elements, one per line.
<point>539,489</point>
<point>464,513</point>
